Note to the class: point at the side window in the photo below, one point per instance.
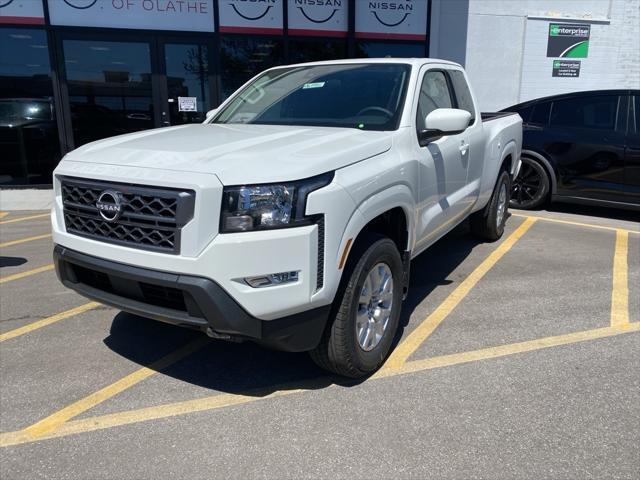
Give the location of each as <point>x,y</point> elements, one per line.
<point>434,93</point>
<point>463,94</point>
<point>597,112</point>
<point>541,113</point>
<point>525,112</point>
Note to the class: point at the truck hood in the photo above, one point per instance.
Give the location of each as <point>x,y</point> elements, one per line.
<point>238,153</point>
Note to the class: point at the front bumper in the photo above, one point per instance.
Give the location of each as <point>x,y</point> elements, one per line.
<point>184,300</point>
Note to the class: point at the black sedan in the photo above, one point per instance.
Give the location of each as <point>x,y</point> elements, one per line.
<point>580,147</point>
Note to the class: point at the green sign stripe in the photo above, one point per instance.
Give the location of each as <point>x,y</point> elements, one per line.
<point>579,50</point>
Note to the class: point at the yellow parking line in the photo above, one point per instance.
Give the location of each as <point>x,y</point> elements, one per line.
<point>48,321</point>
<point>578,224</point>
<point>513,348</point>
<point>57,419</point>
<point>429,324</point>
<point>620,290</point>
<point>28,273</point>
<point>22,219</point>
<point>223,400</point>
<point>24,240</point>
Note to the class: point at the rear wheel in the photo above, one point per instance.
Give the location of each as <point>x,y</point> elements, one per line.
<point>488,223</point>
<point>366,311</point>
<point>530,188</point>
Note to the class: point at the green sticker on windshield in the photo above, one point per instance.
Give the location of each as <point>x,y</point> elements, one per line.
<point>313,85</point>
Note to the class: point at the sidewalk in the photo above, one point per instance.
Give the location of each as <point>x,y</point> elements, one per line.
<point>26,199</point>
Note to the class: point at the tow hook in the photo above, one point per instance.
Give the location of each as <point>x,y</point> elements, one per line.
<point>221,336</point>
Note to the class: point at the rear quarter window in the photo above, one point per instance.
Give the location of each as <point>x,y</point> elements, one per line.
<point>540,113</point>
<point>462,93</point>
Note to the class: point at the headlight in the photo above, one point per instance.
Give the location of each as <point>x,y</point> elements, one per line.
<point>263,207</point>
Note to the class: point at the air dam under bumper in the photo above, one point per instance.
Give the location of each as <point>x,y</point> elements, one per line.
<point>184,300</point>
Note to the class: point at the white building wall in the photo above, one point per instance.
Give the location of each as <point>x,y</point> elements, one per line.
<point>505,45</point>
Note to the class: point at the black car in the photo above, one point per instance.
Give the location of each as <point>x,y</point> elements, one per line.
<point>580,147</point>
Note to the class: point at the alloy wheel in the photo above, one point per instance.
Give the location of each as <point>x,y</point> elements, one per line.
<point>374,306</point>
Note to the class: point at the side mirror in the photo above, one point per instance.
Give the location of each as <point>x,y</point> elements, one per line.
<point>443,121</point>
<point>210,114</point>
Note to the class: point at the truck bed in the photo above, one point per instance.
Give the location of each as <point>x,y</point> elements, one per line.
<point>488,116</point>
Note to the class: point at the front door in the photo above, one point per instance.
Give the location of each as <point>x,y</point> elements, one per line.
<point>444,165</point>
<point>186,95</point>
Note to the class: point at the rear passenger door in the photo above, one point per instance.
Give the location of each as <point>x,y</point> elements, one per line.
<point>587,144</point>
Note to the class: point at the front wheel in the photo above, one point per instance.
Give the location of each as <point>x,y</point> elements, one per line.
<point>488,223</point>
<point>366,311</point>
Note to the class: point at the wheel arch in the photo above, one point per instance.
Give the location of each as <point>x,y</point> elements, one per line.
<point>547,166</point>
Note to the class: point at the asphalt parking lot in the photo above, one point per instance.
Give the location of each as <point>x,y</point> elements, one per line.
<point>518,359</point>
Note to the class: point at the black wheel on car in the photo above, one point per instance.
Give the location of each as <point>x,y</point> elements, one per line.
<point>488,223</point>
<point>366,311</point>
<point>530,188</point>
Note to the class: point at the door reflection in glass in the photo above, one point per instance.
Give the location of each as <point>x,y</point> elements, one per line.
<point>187,76</point>
<point>109,88</point>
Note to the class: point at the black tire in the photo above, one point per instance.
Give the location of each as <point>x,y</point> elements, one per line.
<point>531,187</point>
<point>488,223</point>
<point>339,350</point>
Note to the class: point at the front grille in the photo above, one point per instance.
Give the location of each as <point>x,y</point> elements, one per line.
<point>151,217</point>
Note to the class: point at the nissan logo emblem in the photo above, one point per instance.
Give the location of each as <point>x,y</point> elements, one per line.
<point>109,205</point>
<point>81,4</point>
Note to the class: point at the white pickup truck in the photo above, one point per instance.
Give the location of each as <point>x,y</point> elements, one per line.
<point>290,217</point>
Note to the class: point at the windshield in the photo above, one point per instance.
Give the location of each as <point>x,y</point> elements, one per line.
<point>364,96</point>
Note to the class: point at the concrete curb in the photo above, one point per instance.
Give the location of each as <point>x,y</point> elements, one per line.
<point>26,199</point>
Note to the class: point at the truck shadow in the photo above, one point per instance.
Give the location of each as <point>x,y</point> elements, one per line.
<point>249,369</point>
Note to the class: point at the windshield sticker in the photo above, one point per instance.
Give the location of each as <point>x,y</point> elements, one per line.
<point>313,85</point>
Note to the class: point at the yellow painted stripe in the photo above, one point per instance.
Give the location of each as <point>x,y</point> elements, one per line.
<point>22,219</point>
<point>511,349</point>
<point>57,419</point>
<point>620,291</point>
<point>24,240</point>
<point>47,321</point>
<point>429,324</point>
<point>28,273</point>
<point>218,401</point>
<point>3,214</point>
<point>577,224</point>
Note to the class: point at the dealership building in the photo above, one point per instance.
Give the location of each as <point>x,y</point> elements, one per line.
<point>74,71</point>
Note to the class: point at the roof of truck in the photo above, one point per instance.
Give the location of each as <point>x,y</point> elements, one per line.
<point>410,61</point>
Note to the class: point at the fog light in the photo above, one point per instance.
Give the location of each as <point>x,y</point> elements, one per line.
<point>272,279</point>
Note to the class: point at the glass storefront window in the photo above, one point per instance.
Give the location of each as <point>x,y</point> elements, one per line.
<point>187,76</point>
<point>383,49</point>
<point>109,87</point>
<point>28,130</point>
<point>313,50</point>
<point>243,57</point>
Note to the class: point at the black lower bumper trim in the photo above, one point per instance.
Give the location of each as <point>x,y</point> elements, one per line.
<point>183,300</point>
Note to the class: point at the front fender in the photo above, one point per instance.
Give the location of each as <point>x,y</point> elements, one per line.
<point>397,196</point>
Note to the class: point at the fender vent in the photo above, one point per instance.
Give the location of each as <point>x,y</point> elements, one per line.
<point>320,274</point>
